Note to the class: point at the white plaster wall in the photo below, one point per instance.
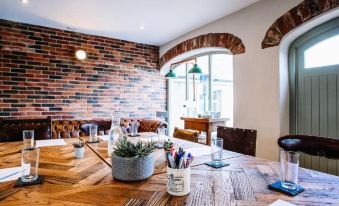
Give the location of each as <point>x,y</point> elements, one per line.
<point>256,72</point>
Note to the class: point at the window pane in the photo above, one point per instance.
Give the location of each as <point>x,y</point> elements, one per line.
<point>201,86</point>
<point>222,85</point>
<point>324,53</point>
<point>178,97</point>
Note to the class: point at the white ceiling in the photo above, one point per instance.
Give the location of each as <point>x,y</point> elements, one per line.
<point>163,20</point>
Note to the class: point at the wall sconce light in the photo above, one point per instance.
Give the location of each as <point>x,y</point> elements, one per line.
<point>80,54</point>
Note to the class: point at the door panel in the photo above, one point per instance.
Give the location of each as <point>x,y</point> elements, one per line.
<point>317,101</point>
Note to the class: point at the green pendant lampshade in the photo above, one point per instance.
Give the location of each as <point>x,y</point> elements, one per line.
<point>195,70</point>
<point>170,74</point>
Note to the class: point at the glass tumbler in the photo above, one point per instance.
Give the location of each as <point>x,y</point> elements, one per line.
<point>29,164</point>
<point>161,135</point>
<point>134,128</point>
<point>289,161</point>
<point>93,133</point>
<point>217,150</point>
<point>28,138</point>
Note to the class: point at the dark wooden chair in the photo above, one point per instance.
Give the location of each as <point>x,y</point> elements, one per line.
<point>312,145</point>
<point>238,140</point>
<point>189,135</point>
<point>11,129</point>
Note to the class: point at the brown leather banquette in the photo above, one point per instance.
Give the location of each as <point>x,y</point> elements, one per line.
<point>145,125</point>
<point>76,128</point>
<point>11,129</point>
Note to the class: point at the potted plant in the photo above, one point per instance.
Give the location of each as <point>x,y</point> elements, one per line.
<point>132,162</point>
<point>168,145</point>
<point>79,149</point>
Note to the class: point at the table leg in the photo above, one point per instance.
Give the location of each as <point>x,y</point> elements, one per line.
<point>208,137</point>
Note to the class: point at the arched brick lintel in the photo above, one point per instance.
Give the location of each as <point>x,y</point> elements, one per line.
<point>219,40</point>
<point>305,11</point>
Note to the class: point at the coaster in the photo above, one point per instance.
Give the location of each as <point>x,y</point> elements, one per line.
<point>93,142</point>
<point>38,181</point>
<point>277,187</point>
<point>216,166</point>
<point>135,135</point>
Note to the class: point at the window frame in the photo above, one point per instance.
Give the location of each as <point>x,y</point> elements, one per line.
<point>210,85</point>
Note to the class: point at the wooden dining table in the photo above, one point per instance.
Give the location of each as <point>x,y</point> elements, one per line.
<point>88,181</point>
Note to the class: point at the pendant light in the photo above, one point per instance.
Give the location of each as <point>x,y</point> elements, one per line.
<point>170,74</point>
<point>195,70</point>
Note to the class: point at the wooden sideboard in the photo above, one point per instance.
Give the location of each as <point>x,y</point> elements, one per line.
<point>207,125</point>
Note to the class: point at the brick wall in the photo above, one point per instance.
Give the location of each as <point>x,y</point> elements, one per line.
<point>39,75</point>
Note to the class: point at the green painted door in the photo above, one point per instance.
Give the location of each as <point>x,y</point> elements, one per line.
<point>315,99</point>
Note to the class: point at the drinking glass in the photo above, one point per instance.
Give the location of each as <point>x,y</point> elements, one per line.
<point>93,133</point>
<point>217,150</point>
<point>29,164</point>
<point>289,161</point>
<point>161,134</point>
<point>28,138</point>
<point>134,128</point>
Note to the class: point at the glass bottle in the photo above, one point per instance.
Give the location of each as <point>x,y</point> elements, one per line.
<point>115,133</point>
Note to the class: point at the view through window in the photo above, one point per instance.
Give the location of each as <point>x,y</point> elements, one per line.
<point>213,90</point>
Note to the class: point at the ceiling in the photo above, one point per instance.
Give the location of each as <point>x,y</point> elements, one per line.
<point>146,21</point>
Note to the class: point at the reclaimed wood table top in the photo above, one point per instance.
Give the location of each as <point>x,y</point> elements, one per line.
<point>88,181</point>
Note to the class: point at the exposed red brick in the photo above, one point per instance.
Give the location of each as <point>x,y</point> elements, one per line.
<point>306,10</point>
<point>39,75</point>
<point>220,40</point>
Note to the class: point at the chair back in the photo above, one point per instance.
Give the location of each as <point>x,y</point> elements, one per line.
<point>312,145</point>
<point>238,140</point>
<point>11,129</point>
<point>189,135</point>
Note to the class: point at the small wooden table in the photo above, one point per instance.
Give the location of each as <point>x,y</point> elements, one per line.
<point>207,125</point>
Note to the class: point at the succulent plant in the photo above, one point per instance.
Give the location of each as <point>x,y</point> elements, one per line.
<point>125,148</point>
<point>168,144</point>
<point>78,144</point>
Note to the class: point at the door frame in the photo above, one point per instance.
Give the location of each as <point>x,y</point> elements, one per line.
<point>314,33</point>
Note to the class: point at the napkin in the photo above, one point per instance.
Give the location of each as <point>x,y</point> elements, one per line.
<point>103,137</point>
<point>9,174</point>
<point>50,142</point>
<point>281,203</point>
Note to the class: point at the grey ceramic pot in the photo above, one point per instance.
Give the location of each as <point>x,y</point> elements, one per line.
<point>132,168</point>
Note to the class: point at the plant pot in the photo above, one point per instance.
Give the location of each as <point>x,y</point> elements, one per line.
<point>79,152</point>
<point>132,168</point>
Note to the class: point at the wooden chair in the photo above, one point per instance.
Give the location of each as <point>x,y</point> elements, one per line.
<point>189,135</point>
<point>238,140</point>
<point>312,145</point>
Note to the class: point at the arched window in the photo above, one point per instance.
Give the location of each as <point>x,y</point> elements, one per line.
<point>213,93</point>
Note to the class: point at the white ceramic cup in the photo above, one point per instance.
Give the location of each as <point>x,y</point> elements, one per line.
<point>178,181</point>
<point>79,152</point>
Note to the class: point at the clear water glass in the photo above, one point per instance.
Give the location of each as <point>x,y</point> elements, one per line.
<point>161,137</point>
<point>217,150</point>
<point>289,161</point>
<point>134,128</point>
<point>29,164</point>
<point>28,138</point>
<point>93,133</point>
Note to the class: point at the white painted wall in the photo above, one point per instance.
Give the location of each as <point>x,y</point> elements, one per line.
<point>256,72</point>
<point>261,91</point>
